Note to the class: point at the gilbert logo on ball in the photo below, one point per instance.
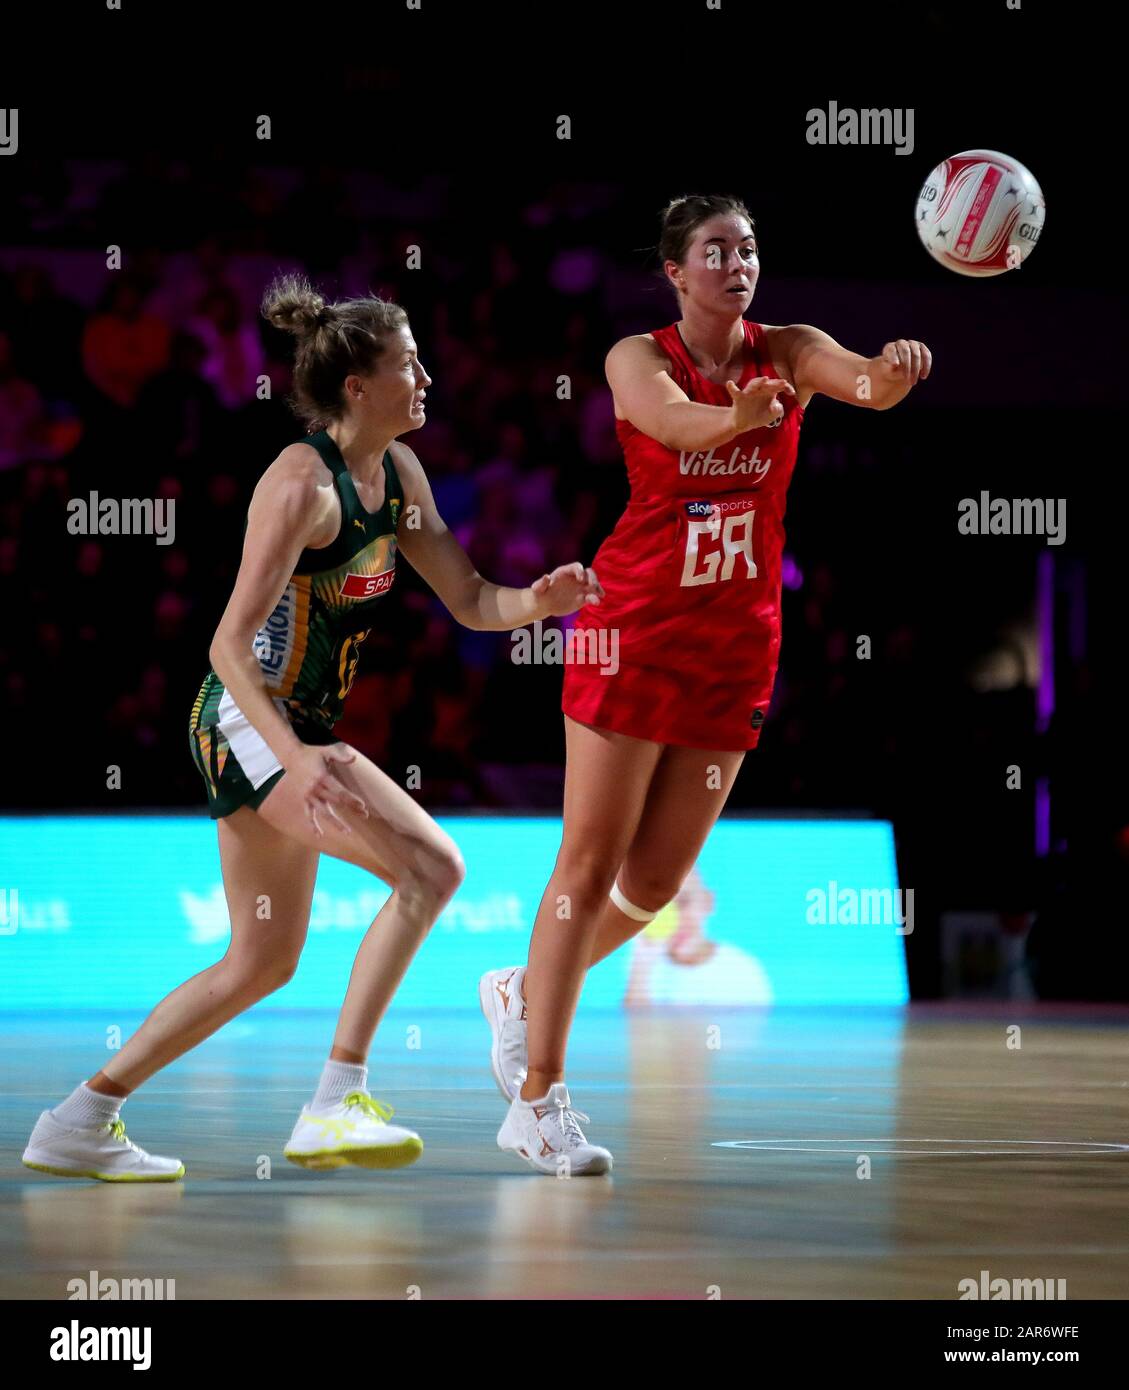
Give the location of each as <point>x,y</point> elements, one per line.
<point>980,213</point>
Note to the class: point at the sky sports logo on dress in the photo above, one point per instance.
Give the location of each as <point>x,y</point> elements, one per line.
<point>367,585</point>
<point>716,509</point>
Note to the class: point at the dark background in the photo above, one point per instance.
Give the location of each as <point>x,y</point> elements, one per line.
<point>537,254</point>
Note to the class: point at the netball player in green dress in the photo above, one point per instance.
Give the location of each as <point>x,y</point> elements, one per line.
<point>323,530</point>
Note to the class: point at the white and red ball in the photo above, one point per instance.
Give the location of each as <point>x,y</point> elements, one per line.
<point>980,213</point>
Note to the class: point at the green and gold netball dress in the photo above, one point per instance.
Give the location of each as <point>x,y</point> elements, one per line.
<point>307,648</point>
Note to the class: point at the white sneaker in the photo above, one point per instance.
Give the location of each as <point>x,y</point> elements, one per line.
<point>102,1151</point>
<point>499,993</point>
<point>356,1130</point>
<point>545,1133</point>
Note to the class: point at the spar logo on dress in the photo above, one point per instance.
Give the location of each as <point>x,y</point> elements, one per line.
<point>367,585</point>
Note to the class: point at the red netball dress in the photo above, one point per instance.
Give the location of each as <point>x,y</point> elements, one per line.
<point>684,647</point>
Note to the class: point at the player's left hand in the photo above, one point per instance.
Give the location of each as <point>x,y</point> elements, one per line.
<point>568,588</point>
<point>904,362</point>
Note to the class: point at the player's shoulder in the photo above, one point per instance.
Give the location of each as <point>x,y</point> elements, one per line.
<point>296,476</point>
<point>405,458</point>
<point>785,340</point>
<point>636,349</point>
<point>408,469</point>
<point>299,462</point>
<point>789,334</point>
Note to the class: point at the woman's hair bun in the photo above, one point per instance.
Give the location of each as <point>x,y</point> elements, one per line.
<point>293,305</point>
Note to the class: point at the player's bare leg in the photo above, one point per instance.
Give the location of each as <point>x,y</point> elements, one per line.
<point>606,782</point>
<point>399,843</point>
<point>269,859</point>
<point>85,1136</point>
<point>263,870</point>
<point>687,794</point>
<point>269,863</point>
<point>684,798</point>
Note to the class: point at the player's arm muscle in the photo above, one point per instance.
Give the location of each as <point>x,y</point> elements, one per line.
<point>818,363</point>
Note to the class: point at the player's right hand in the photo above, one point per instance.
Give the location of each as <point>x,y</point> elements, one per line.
<point>320,788</point>
<point>755,405</point>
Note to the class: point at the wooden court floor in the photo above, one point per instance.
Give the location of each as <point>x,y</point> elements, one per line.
<point>791,1153</point>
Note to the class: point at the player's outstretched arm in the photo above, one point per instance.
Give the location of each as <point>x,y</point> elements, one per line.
<point>819,364</point>
<point>425,541</point>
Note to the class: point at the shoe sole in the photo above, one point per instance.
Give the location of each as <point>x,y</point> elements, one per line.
<point>552,1172</point>
<point>103,1177</point>
<point>486,1004</point>
<point>386,1156</point>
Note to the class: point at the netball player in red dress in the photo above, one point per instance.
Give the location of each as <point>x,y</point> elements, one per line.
<point>708,412</point>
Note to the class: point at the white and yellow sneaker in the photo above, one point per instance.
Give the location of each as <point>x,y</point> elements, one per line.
<point>354,1131</point>
<point>546,1134</point>
<point>499,994</point>
<point>103,1152</point>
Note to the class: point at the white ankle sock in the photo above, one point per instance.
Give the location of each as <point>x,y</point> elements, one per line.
<point>337,1080</point>
<point>87,1109</point>
<point>537,1100</point>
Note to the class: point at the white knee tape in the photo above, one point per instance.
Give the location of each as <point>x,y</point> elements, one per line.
<point>637,914</point>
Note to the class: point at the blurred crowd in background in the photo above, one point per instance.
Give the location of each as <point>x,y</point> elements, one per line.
<point>146,381</point>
